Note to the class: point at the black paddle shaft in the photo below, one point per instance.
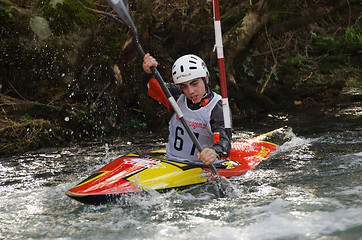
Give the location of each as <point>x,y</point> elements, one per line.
<point>121,10</point>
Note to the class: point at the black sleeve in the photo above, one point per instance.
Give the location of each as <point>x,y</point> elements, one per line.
<point>146,77</point>
<point>223,146</point>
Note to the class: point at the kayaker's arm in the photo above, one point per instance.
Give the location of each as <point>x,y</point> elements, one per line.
<point>223,146</point>
<point>152,86</point>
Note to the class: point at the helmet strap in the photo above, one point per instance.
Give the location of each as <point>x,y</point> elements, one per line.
<point>206,86</point>
<point>205,100</point>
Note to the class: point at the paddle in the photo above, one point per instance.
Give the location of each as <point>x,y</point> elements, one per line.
<point>121,10</point>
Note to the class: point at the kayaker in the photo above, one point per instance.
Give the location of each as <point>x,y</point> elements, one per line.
<point>201,107</point>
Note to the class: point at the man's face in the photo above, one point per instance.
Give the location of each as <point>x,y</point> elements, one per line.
<point>194,89</point>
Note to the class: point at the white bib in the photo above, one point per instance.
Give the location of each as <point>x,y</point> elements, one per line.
<point>180,145</point>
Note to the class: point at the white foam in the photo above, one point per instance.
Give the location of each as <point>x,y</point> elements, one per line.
<point>278,222</point>
<point>294,143</point>
<point>358,154</point>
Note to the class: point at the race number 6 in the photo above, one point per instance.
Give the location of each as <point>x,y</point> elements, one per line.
<point>179,141</point>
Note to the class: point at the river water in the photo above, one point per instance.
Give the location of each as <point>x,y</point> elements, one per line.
<point>310,188</point>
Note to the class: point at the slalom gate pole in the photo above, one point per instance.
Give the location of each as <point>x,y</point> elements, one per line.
<point>220,60</point>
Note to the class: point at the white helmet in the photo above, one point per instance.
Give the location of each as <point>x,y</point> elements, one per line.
<point>188,67</point>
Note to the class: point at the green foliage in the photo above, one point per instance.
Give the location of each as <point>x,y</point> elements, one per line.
<point>137,123</point>
<point>217,89</point>
<point>249,70</point>
<point>170,60</point>
<point>246,65</point>
<point>350,42</point>
<point>64,17</point>
<point>299,61</point>
<point>266,73</point>
<point>25,117</point>
<point>325,43</point>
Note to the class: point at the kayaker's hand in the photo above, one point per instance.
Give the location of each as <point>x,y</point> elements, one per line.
<point>207,156</point>
<point>148,62</point>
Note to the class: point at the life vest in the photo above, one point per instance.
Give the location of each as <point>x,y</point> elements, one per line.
<point>180,145</point>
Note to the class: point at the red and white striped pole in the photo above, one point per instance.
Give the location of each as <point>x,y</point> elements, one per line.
<point>220,60</point>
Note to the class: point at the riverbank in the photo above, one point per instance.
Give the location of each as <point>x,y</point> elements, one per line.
<point>75,77</point>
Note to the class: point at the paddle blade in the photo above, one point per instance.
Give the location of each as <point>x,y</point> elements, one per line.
<point>120,8</point>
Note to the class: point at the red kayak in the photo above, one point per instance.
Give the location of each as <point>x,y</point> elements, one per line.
<point>143,172</point>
